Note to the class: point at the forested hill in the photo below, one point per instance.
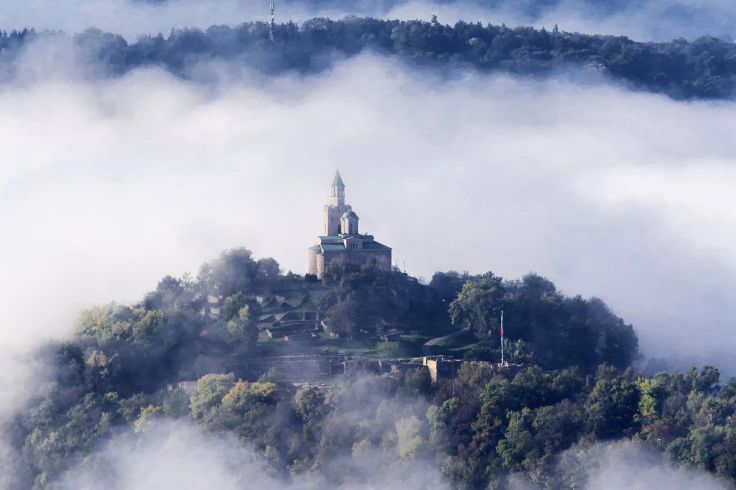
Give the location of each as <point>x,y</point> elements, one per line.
<point>198,349</point>
<point>705,68</point>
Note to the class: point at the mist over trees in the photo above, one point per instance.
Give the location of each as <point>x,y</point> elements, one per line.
<point>704,68</point>
<point>125,366</point>
<point>184,351</point>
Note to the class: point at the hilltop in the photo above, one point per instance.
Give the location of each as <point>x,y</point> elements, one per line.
<point>244,336</point>
<point>220,351</point>
<point>239,309</point>
<point>681,69</point>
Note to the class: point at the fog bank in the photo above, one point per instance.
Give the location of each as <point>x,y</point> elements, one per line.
<point>174,454</point>
<point>170,455</point>
<point>109,185</point>
<point>629,465</point>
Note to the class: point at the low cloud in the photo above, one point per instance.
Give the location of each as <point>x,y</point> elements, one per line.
<point>171,455</point>
<point>108,185</point>
<point>629,465</point>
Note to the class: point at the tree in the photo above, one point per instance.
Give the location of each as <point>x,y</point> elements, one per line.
<point>543,325</point>
<point>478,306</point>
<point>239,315</point>
<point>343,319</point>
<point>409,438</point>
<point>706,381</point>
<point>613,403</point>
<point>447,285</point>
<point>234,271</point>
<point>247,409</point>
<point>210,390</point>
<point>269,271</point>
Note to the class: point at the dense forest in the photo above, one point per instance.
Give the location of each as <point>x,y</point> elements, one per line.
<point>704,68</point>
<point>531,9</point>
<point>571,381</point>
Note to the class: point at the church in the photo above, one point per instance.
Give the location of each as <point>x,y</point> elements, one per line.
<point>340,239</point>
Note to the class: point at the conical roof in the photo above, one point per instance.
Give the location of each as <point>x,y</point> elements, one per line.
<point>337,181</point>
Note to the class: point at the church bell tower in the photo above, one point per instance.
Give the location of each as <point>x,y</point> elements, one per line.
<point>337,198</point>
<point>335,209</point>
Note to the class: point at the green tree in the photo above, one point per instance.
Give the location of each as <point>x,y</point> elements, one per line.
<point>478,306</point>
<point>409,437</point>
<point>234,271</point>
<point>613,403</point>
<point>239,315</point>
<point>210,390</point>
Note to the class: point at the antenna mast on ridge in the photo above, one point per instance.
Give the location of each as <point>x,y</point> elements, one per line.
<point>272,23</point>
<point>502,337</point>
<point>503,361</point>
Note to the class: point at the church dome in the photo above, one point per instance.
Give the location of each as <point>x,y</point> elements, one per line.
<point>350,214</point>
